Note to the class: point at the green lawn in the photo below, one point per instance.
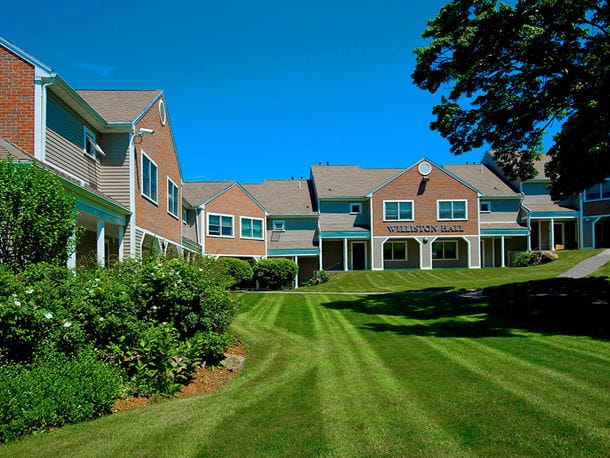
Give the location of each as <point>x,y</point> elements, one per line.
<point>405,280</point>
<point>409,375</point>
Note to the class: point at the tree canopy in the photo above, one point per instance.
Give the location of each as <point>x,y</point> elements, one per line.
<point>37,216</point>
<point>508,73</point>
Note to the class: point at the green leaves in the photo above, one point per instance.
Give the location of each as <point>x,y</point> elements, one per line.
<point>37,216</point>
<point>511,72</point>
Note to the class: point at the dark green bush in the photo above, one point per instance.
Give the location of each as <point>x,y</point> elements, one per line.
<point>274,273</point>
<point>239,270</point>
<point>53,391</point>
<point>533,258</point>
<point>319,277</point>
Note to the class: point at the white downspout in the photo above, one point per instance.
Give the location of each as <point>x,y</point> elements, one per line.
<point>43,121</point>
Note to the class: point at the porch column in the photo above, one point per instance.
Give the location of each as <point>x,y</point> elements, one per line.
<point>345,254</point>
<point>121,240</point>
<point>320,265</point>
<point>502,261</point>
<point>552,229</point>
<point>296,277</point>
<point>101,241</point>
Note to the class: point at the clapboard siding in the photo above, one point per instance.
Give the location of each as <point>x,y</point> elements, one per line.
<point>64,142</point>
<point>189,230</point>
<point>114,168</point>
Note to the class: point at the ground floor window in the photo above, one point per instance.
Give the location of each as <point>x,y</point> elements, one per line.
<point>444,250</point>
<point>395,251</point>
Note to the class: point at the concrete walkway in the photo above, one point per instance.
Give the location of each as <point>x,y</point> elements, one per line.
<point>588,266</point>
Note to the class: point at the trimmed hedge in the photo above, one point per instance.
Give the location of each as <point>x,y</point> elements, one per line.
<point>275,273</point>
<point>239,270</point>
<point>54,391</point>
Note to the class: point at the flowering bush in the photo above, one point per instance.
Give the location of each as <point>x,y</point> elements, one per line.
<point>139,315</point>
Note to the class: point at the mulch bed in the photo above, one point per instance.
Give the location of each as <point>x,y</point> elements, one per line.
<point>205,380</point>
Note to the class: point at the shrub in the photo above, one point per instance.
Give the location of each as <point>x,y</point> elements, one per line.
<point>274,273</point>
<point>37,216</point>
<point>533,258</point>
<point>54,391</point>
<point>157,303</point>
<point>239,270</point>
<point>318,278</point>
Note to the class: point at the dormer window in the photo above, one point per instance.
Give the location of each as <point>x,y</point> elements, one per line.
<point>89,142</point>
<point>355,208</point>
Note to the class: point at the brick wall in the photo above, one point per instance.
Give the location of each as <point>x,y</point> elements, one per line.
<point>16,100</point>
<point>237,203</point>
<point>159,147</point>
<point>440,186</point>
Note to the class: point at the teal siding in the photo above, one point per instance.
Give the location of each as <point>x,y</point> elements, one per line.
<point>346,234</point>
<point>535,189</point>
<point>295,224</point>
<point>293,252</point>
<point>343,207</point>
<point>512,205</point>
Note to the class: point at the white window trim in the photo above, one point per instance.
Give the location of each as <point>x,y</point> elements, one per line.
<point>283,229</point>
<point>241,218</point>
<point>438,209</point>
<point>88,132</point>
<point>359,204</point>
<point>184,210</point>
<point>162,112</point>
<point>154,201</point>
<point>601,196</point>
<point>484,202</point>
<point>457,253</point>
<point>169,180</point>
<point>406,258</point>
<point>220,236</point>
<point>400,219</point>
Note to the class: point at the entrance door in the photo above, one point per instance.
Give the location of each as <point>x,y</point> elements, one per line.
<point>358,256</point>
<point>559,235</point>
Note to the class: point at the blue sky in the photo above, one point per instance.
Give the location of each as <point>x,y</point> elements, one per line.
<point>255,89</point>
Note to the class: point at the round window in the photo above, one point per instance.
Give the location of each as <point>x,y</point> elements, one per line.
<point>424,168</point>
<point>162,112</point>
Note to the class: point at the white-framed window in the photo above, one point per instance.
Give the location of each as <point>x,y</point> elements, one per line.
<point>452,209</point>
<point>398,210</point>
<point>220,225</point>
<point>89,142</point>
<point>355,208</point>
<point>445,250</point>
<point>185,216</point>
<point>598,192</point>
<point>251,228</point>
<point>278,225</point>
<point>395,251</point>
<point>150,178</point>
<point>172,197</point>
<point>485,206</point>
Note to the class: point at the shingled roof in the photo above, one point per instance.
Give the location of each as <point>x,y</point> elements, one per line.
<point>284,197</point>
<point>349,180</point>
<point>119,105</point>
<point>483,178</point>
<point>198,192</point>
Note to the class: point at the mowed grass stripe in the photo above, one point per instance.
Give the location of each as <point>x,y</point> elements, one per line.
<point>399,401</point>
<point>524,386</point>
